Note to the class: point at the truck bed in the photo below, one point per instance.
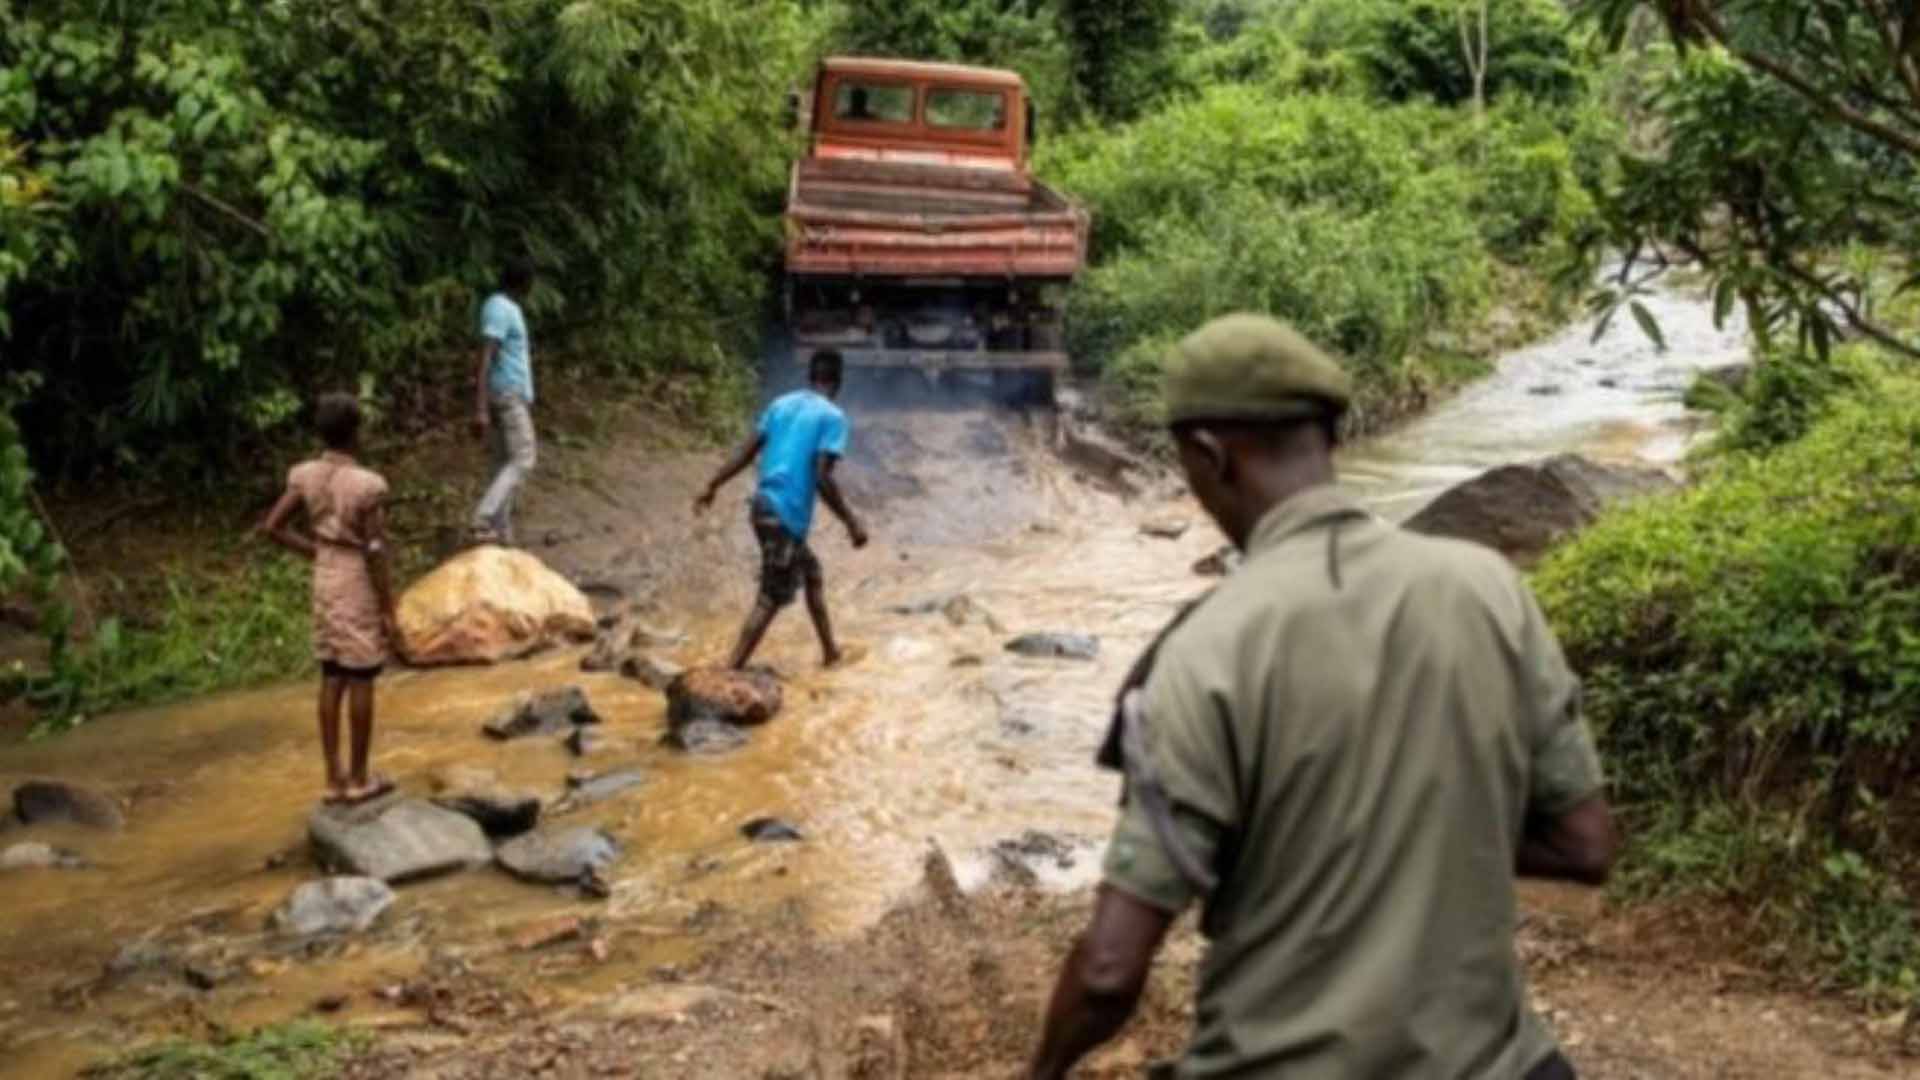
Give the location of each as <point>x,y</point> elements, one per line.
<point>867,218</point>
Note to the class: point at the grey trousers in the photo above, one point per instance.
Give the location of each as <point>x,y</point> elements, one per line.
<point>514,455</point>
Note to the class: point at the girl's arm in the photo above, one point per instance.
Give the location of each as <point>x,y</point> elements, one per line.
<point>278,527</point>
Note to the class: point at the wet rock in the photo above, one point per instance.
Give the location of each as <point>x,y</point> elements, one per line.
<point>741,698</point>
<point>706,737</point>
<point>1036,846</point>
<point>1169,529</point>
<point>771,831</point>
<point>961,610</point>
<point>499,811</point>
<point>203,976</point>
<point>491,604</point>
<point>1056,646</point>
<point>653,672</point>
<point>54,802</point>
<point>559,856</point>
<point>548,932</point>
<point>396,840</point>
<point>1220,563</point>
<point>584,742</point>
<point>41,857</point>
<point>1609,383</point>
<point>1522,510</point>
<point>1546,390</point>
<point>338,905</point>
<point>554,713</point>
<point>586,789</point>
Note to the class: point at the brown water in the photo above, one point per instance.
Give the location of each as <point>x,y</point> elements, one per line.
<point>937,737</point>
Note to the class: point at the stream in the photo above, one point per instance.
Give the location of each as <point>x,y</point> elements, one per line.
<point>938,737</point>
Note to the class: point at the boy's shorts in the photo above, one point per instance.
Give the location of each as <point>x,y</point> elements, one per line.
<point>331,670</point>
<point>786,562</point>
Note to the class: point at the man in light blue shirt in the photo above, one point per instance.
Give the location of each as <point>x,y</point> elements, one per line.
<point>798,441</point>
<point>503,407</point>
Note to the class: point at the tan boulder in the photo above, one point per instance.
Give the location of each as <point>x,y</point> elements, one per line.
<point>491,604</point>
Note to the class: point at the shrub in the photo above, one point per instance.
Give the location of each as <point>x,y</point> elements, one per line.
<point>1753,671</point>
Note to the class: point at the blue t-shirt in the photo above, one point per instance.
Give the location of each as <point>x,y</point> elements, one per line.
<point>512,372</point>
<point>798,428</point>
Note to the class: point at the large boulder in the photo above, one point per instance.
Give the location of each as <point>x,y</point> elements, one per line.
<point>560,856</point>
<point>491,604</point>
<point>339,905</point>
<point>396,840</point>
<point>741,698</point>
<point>1522,510</point>
<point>55,802</point>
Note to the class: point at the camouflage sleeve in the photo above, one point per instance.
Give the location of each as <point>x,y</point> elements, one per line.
<point>1186,757</point>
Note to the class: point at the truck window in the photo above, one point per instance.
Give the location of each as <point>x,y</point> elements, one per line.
<point>974,110</point>
<point>873,102</point>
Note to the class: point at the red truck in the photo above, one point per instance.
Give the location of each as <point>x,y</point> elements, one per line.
<point>917,236</point>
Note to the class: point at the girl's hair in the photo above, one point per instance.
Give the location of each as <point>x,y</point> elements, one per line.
<point>337,416</point>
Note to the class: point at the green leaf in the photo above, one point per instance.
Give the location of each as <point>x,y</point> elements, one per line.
<point>1725,295</point>
<point>1648,325</point>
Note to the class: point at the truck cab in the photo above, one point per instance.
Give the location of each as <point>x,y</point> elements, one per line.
<point>917,235</point>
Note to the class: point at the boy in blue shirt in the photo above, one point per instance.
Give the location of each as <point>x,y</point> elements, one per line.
<point>799,440</point>
<point>503,406</point>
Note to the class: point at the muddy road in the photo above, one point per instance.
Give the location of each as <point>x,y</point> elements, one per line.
<point>785,957</point>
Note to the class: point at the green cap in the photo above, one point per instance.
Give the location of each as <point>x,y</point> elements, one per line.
<point>1251,367</point>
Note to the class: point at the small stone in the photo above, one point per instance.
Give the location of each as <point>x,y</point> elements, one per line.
<point>585,741</point>
<point>588,789</point>
<point>653,672</point>
<point>340,905</point>
<point>1056,646</point>
<point>547,932</point>
<point>1545,391</point>
<point>551,713</point>
<point>202,977</point>
<point>705,738</point>
<point>1220,563</point>
<point>1169,529</point>
<point>332,1003</point>
<point>41,857</point>
<point>54,802</point>
<point>559,856</point>
<point>771,831</point>
<point>742,698</point>
<point>968,660</point>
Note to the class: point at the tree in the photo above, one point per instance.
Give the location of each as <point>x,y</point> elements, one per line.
<point>1473,48</point>
<point>1120,55</point>
<point>1793,135</point>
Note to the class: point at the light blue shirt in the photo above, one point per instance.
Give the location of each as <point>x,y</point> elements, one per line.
<point>798,428</point>
<point>512,373</point>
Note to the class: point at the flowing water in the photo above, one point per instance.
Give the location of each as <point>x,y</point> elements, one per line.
<point>938,737</point>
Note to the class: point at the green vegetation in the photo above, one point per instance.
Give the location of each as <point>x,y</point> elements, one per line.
<point>1752,654</point>
<point>292,1052</point>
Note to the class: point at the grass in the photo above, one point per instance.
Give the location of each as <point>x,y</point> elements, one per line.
<point>299,1051</point>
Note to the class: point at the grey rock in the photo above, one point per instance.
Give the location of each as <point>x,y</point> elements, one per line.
<point>552,713</point>
<point>583,742</point>
<point>1545,390</point>
<point>560,856</point>
<point>654,672</point>
<point>771,831</point>
<point>1220,563</point>
<point>397,840</point>
<point>706,737</point>
<point>586,789</point>
<point>1522,510</point>
<point>500,812</point>
<point>41,857</point>
<point>52,802</point>
<point>1056,646</point>
<point>338,905</point>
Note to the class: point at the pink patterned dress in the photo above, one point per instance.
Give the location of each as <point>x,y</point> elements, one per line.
<point>341,498</point>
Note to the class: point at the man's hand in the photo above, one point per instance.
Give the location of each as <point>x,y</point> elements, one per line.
<point>482,422</point>
<point>859,534</point>
<point>703,502</point>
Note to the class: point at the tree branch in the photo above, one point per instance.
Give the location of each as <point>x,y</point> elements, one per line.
<point>228,210</point>
<point>1851,309</point>
<point>1853,118</point>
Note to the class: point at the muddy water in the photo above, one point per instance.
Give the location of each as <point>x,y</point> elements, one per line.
<point>939,737</point>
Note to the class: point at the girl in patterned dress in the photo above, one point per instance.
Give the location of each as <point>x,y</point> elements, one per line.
<point>354,626</point>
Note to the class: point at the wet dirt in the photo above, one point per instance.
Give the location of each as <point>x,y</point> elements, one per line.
<point>938,737</point>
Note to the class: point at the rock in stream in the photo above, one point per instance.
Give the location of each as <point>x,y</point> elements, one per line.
<point>397,840</point>
<point>55,802</point>
<point>1054,646</point>
<point>560,856</point>
<point>337,905</point>
<point>555,713</point>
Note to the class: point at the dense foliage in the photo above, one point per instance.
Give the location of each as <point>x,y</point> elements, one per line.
<point>1753,669</point>
<point>1791,135</point>
<point>253,200</point>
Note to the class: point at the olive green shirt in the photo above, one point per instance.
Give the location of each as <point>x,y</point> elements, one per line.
<point>1351,731</point>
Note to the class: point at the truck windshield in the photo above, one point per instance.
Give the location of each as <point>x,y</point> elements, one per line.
<point>873,102</point>
<point>975,110</point>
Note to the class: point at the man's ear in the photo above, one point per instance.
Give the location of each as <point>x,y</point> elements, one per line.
<point>1213,450</point>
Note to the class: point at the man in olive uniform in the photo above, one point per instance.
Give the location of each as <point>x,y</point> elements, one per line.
<point>1345,752</point>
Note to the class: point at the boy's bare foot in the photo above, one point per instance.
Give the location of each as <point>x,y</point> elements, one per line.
<point>368,791</point>
<point>336,793</point>
<point>846,657</point>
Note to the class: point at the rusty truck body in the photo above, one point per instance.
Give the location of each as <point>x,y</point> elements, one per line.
<point>917,235</point>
